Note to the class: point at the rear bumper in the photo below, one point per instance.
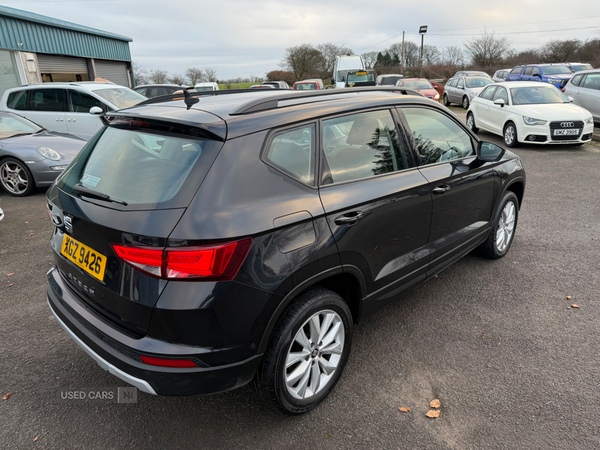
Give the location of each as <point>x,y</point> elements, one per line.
<point>124,362</point>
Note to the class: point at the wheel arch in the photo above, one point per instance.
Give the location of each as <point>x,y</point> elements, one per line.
<point>517,186</point>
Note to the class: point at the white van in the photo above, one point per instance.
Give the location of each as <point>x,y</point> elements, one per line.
<point>343,63</point>
<point>208,86</point>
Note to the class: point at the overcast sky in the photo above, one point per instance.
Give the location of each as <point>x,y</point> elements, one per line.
<point>248,37</point>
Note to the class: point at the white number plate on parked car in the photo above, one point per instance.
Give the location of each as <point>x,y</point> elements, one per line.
<point>569,132</point>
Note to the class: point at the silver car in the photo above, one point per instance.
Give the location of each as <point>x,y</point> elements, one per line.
<point>462,90</point>
<point>584,89</point>
<point>501,75</point>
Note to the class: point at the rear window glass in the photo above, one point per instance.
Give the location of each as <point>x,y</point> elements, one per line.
<point>141,167</point>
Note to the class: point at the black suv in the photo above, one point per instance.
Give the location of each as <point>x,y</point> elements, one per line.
<point>202,244</point>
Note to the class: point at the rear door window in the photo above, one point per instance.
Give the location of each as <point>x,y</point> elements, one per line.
<point>592,81</point>
<point>47,100</point>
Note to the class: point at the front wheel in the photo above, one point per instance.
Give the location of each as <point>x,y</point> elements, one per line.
<point>503,228</point>
<point>16,178</point>
<point>307,352</point>
<point>471,123</point>
<point>510,135</point>
<point>465,102</point>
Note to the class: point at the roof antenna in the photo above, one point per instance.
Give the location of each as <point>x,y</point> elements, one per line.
<point>189,100</point>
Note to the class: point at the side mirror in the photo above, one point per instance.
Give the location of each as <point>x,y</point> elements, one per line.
<point>536,75</point>
<point>571,99</point>
<point>96,110</point>
<point>488,152</point>
<point>500,102</point>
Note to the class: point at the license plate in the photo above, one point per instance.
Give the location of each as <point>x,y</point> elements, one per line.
<point>568,132</point>
<point>88,259</point>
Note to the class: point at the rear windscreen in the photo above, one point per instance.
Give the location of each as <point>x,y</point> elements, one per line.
<point>141,167</point>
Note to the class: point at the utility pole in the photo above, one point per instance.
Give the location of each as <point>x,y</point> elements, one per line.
<point>402,60</point>
<point>422,31</point>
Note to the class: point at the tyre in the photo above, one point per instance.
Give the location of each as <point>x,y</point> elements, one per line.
<point>307,352</point>
<point>446,102</point>
<point>471,123</point>
<point>510,135</point>
<point>16,178</point>
<point>503,228</point>
<point>465,102</point>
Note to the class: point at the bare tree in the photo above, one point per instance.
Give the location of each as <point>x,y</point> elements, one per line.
<point>194,75</point>
<point>211,74</point>
<point>158,76</point>
<point>177,79</point>
<point>431,55</point>
<point>329,53</point>
<point>412,53</point>
<point>560,51</point>
<point>487,50</point>
<point>370,59</point>
<point>302,59</point>
<point>140,74</point>
<point>453,56</point>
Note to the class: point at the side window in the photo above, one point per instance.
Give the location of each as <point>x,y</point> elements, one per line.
<point>17,100</point>
<point>81,103</point>
<point>576,80</point>
<point>141,91</point>
<point>361,146</point>
<point>293,151</point>
<point>501,94</point>
<point>516,70</point>
<point>592,81</point>
<point>460,84</point>
<point>436,137</point>
<point>528,70</point>
<point>536,71</point>
<point>488,92</point>
<point>47,100</point>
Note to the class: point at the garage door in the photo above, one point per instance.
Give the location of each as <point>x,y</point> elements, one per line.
<point>61,64</point>
<point>114,71</point>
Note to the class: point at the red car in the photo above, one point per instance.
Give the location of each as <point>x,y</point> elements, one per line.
<point>307,84</point>
<point>421,85</point>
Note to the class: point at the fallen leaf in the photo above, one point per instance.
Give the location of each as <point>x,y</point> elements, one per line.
<point>575,306</point>
<point>26,222</point>
<point>482,335</point>
<point>31,235</point>
<point>6,396</point>
<point>36,438</point>
<point>432,413</point>
<point>13,283</point>
<point>568,297</point>
<point>404,409</point>
<point>10,274</point>
<point>435,403</point>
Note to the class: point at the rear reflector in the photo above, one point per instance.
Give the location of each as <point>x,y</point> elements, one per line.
<point>168,362</point>
<point>207,262</point>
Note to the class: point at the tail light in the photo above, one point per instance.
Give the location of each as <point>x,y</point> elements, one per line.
<point>218,262</point>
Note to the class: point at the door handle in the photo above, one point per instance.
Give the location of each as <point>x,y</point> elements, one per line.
<point>439,190</point>
<point>58,119</point>
<point>71,120</point>
<point>349,219</point>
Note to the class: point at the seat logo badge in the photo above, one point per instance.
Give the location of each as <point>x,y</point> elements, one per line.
<point>68,224</point>
<point>567,124</point>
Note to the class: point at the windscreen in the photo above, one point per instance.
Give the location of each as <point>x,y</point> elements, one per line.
<point>140,167</point>
<point>537,95</point>
<point>580,67</point>
<point>555,70</point>
<point>477,82</point>
<point>417,84</point>
<point>11,125</point>
<point>120,97</point>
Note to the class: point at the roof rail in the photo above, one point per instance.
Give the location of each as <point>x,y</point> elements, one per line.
<point>272,101</point>
<point>171,97</point>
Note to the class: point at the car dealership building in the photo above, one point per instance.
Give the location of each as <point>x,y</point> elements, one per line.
<point>39,49</point>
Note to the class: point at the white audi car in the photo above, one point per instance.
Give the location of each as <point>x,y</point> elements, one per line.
<point>529,112</point>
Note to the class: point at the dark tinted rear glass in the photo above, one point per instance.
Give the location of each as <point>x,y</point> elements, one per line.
<point>390,81</point>
<point>141,167</point>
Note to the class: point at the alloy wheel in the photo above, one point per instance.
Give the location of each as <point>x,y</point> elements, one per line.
<point>14,177</point>
<point>470,121</point>
<point>314,355</point>
<point>509,135</point>
<point>506,226</point>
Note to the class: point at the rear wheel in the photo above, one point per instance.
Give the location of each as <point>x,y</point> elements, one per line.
<point>16,177</point>
<point>307,352</point>
<point>446,102</point>
<point>510,135</point>
<point>471,123</point>
<point>465,102</point>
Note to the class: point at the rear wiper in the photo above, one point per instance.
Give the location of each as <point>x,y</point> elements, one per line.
<point>95,194</point>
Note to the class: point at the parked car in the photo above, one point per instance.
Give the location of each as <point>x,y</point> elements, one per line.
<point>578,67</point>
<point>530,112</point>
<point>341,66</point>
<point>421,85</point>
<point>555,74</point>
<point>389,79</point>
<point>360,78</point>
<point>32,157</point>
<point>277,84</point>
<point>308,84</point>
<point>471,73</point>
<point>462,90</point>
<point>263,86</point>
<point>68,107</point>
<point>156,90</point>
<point>237,265</point>
<point>500,75</point>
<point>584,89</point>
<point>206,86</point>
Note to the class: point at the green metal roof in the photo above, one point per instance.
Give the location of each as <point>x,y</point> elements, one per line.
<point>30,32</point>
